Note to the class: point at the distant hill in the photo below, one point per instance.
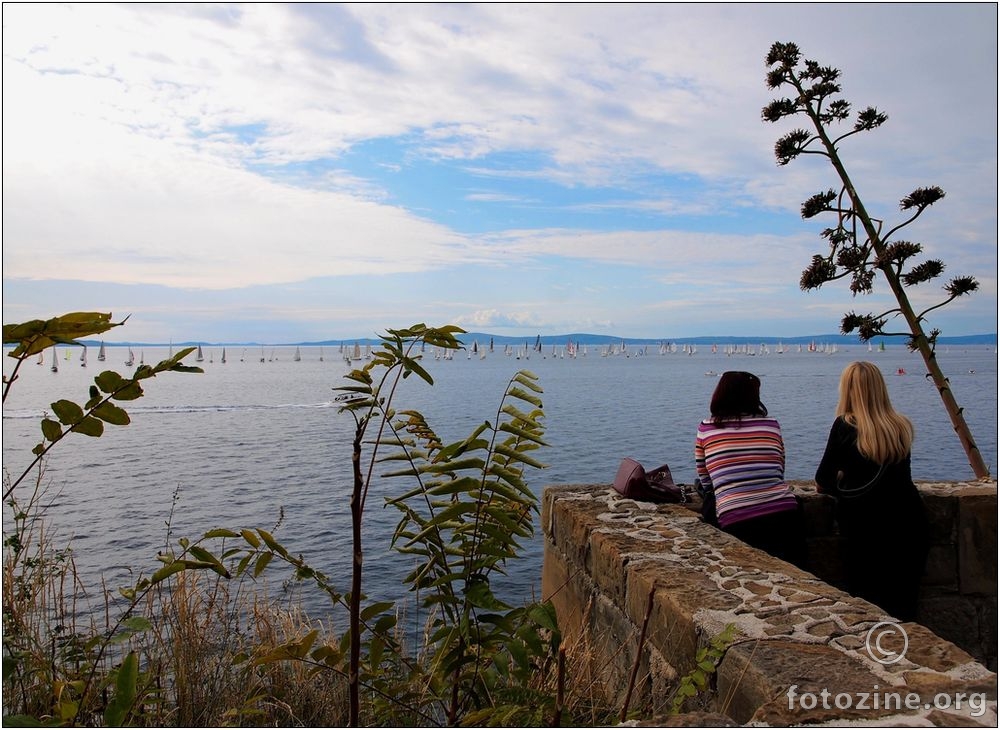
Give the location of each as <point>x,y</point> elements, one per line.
<point>592,339</point>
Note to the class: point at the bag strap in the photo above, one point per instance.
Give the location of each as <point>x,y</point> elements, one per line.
<point>864,488</point>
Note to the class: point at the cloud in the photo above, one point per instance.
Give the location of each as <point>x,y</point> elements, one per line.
<point>209,147</point>
<point>492,318</point>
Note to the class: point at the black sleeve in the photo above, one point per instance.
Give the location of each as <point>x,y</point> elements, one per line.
<point>832,463</point>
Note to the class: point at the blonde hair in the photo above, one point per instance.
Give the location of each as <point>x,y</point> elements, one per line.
<point>884,436</point>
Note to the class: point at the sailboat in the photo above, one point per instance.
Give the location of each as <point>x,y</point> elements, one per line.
<point>223,355</point>
<point>100,353</point>
<point>41,358</point>
<point>200,356</point>
<point>321,353</point>
<point>55,360</point>
<point>297,357</point>
<point>131,358</point>
<point>83,357</point>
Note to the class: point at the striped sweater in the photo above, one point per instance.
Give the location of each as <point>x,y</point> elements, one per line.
<point>744,463</point>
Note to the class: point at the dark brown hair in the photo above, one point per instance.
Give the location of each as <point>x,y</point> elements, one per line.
<point>737,395</point>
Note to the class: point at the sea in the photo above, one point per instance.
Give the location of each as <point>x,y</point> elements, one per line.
<point>252,443</point>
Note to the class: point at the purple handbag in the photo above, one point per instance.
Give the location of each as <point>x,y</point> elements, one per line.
<point>634,482</point>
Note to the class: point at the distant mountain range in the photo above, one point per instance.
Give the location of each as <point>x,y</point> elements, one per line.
<point>591,339</point>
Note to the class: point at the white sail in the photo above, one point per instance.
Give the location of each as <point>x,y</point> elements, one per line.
<point>101,353</point>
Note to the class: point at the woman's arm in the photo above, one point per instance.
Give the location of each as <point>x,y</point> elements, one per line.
<point>830,466</point>
<point>700,467</point>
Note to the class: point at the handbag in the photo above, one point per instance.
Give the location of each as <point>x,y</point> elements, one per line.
<point>632,481</point>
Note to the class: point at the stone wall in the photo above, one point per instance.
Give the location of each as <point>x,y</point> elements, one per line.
<point>958,597</point>
<point>612,565</point>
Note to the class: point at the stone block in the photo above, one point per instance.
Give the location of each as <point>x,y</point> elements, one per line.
<point>952,618</point>
<point>754,679</point>
<point>818,513</point>
<point>942,515</point>
<point>977,544</point>
<point>987,609</point>
<point>941,568</point>
<point>570,591</point>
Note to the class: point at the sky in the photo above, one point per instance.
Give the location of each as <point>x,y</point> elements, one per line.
<point>287,173</point>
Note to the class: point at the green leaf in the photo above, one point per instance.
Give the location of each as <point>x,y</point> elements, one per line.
<point>272,543</point>
<point>518,455</point>
<point>22,720</point>
<point>206,557</point>
<point>89,426</point>
<point>137,623</point>
<point>51,430</point>
<point>166,571</point>
<point>251,538</point>
<point>375,609</point>
<point>67,412</point>
<point>125,691</point>
<point>522,433</point>
<point>220,532</point>
<point>527,379</point>
<point>525,396</point>
<point>480,595</point>
<point>110,413</point>
<point>544,614</point>
<point>130,392</point>
<point>109,381</point>
<point>261,563</point>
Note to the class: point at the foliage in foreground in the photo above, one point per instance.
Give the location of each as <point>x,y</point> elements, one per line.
<point>196,642</point>
<point>859,248</point>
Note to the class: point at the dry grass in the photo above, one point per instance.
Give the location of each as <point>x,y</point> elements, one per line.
<point>196,658</point>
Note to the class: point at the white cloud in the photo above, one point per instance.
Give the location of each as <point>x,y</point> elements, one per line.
<point>136,139</point>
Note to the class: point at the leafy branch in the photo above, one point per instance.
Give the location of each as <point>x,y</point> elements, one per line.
<point>857,247</point>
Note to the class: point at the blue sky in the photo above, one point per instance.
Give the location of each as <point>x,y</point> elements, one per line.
<point>282,173</point>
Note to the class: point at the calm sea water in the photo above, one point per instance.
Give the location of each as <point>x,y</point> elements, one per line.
<point>248,441</point>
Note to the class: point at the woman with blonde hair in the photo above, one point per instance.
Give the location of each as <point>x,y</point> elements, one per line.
<point>866,466</point>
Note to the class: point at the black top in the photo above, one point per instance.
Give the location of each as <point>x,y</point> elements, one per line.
<point>863,485</point>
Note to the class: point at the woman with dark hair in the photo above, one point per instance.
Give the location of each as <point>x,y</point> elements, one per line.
<point>740,460</point>
<point>866,466</point>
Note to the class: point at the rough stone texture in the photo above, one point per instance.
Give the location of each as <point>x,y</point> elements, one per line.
<point>606,557</point>
<point>959,587</point>
<point>977,543</point>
